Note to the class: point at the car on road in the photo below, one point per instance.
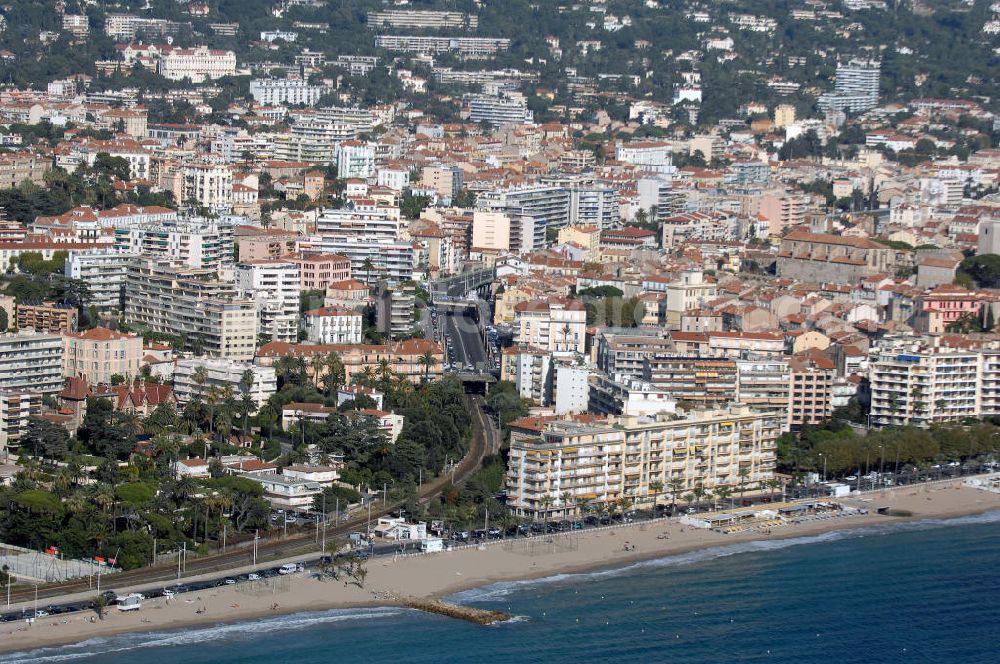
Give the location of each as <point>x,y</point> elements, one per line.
<point>168,593</point>
<point>253,576</point>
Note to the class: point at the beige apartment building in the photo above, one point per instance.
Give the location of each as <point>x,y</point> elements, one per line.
<point>556,466</point>
<point>100,353</point>
<point>557,324</point>
<point>193,304</point>
<point>810,398</point>
<point>47,317</point>
<point>490,231</point>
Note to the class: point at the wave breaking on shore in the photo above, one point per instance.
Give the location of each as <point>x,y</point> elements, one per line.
<point>154,639</point>
<point>498,591</point>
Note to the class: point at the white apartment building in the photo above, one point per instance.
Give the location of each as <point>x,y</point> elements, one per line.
<point>533,209</point>
<point>285,92</point>
<point>499,111</point>
<point>355,160</point>
<point>197,64</point>
<point>651,156</point>
<point>921,382</point>
<point>131,151</point>
<point>104,272</point>
<point>530,370</point>
<point>161,296</point>
<point>558,325</point>
<point>554,463</point>
<point>368,222</point>
<point>31,362</point>
<point>274,286</point>
<point>427,44</point>
<point>333,325</point>
<point>312,140</point>
<point>572,388</point>
<point>856,89</point>
<point>195,242</point>
<point>623,395</point>
<point>77,25</point>
<point>17,407</point>
<point>221,375</point>
<point>207,185</point>
<point>415,18</point>
<point>374,260</point>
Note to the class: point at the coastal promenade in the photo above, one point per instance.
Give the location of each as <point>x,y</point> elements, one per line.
<point>440,575</point>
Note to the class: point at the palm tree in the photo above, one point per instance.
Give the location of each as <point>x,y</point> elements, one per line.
<point>655,487</point>
<point>334,377</point>
<point>743,473</point>
<point>366,377</point>
<point>676,486</point>
<point>546,501</point>
<point>211,402</point>
<point>200,377</point>
<point>318,363</point>
<point>699,493</point>
<point>427,360</point>
<point>689,498</point>
<point>384,370</point>
<point>184,488</point>
<point>103,496</point>
<point>369,267</point>
<point>724,492</point>
<point>565,498</point>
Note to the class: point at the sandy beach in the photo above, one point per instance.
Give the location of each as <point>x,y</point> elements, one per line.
<point>441,574</point>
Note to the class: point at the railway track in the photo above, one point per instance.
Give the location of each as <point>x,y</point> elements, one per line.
<point>484,441</point>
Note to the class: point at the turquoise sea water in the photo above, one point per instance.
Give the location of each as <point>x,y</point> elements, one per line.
<point>909,592</point>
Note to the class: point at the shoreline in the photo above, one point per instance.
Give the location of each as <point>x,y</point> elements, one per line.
<point>440,575</point>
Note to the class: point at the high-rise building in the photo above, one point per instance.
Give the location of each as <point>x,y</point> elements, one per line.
<point>546,206</point>
<point>192,304</point>
<point>499,111</point>
<point>31,362</point>
<point>17,407</point>
<point>355,160</point>
<point>196,242</point>
<point>856,89</point>
<point>273,285</point>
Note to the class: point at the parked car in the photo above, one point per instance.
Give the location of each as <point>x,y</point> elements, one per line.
<point>288,568</point>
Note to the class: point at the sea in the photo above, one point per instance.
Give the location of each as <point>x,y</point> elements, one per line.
<point>913,591</point>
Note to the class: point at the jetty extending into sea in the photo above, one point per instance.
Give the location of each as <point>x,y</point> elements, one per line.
<point>467,613</point>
